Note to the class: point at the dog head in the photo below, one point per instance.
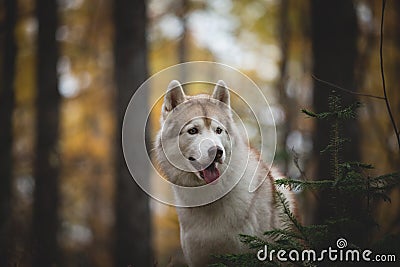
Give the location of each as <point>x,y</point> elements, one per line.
<point>194,135</point>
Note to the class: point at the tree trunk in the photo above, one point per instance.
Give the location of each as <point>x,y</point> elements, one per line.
<point>395,96</point>
<point>286,102</point>
<point>46,163</point>
<point>183,41</point>
<point>7,102</point>
<point>132,227</point>
<point>334,37</point>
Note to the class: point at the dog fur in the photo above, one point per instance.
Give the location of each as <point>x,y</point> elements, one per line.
<point>214,228</point>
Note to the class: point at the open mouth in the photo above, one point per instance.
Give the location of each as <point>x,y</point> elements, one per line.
<point>210,174</point>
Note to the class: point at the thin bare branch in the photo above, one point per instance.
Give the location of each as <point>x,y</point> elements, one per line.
<point>397,133</point>
<point>344,89</point>
<point>303,175</point>
<point>297,164</point>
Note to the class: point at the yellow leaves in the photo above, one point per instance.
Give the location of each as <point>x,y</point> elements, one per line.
<point>87,132</point>
<point>26,61</point>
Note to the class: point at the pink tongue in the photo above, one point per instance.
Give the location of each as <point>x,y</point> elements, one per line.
<point>211,174</point>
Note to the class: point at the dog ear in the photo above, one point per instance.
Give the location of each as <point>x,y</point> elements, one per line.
<point>221,92</point>
<point>174,96</point>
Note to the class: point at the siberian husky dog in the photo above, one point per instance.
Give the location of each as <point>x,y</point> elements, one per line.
<point>199,145</point>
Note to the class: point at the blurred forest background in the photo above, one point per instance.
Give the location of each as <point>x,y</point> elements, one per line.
<point>69,68</point>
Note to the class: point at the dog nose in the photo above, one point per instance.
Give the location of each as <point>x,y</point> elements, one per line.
<point>215,152</point>
<point>219,154</point>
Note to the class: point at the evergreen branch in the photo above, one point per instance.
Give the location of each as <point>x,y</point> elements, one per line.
<point>381,195</point>
<point>340,113</point>
<point>349,182</point>
<point>282,233</point>
<point>385,182</point>
<point>384,188</point>
<point>335,141</point>
<point>352,164</point>
<point>252,241</point>
<point>285,239</point>
<point>330,147</point>
<point>395,176</point>
<point>309,113</point>
<point>287,244</point>
<point>298,184</point>
<point>290,215</point>
<point>321,115</point>
<point>349,112</point>
<point>221,257</point>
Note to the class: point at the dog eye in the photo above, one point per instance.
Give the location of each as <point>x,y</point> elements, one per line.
<point>218,130</point>
<point>193,130</point>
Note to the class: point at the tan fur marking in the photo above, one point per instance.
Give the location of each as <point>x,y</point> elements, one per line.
<point>207,122</point>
